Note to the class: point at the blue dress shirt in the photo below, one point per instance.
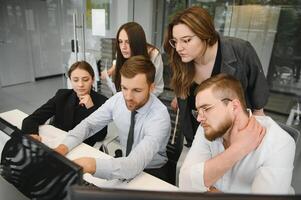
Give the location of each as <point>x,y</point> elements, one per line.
<point>151,135</point>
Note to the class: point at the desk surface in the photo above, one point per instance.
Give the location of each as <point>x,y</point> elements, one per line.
<point>52,136</point>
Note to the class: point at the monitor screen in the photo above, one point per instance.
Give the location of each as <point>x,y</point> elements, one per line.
<point>35,169</point>
<point>77,192</point>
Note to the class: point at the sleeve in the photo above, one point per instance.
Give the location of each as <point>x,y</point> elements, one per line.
<point>191,176</point>
<point>159,83</point>
<point>31,123</point>
<point>258,89</point>
<point>156,135</point>
<point>100,101</point>
<point>90,125</point>
<point>275,175</point>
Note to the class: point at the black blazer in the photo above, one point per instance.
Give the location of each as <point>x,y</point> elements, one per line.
<point>62,108</point>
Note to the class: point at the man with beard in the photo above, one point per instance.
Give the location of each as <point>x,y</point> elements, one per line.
<point>234,151</point>
<point>142,121</point>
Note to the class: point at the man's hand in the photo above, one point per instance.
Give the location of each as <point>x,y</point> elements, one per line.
<point>36,137</point>
<point>213,189</point>
<point>61,149</point>
<point>86,101</point>
<point>87,163</point>
<point>248,138</point>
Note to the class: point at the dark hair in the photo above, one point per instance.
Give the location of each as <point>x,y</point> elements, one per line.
<point>139,65</point>
<point>200,22</point>
<point>224,86</point>
<point>138,45</point>
<point>81,65</point>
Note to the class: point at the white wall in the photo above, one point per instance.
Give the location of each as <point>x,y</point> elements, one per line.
<point>144,16</point>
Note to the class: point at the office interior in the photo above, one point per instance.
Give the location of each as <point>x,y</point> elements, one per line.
<point>36,45</point>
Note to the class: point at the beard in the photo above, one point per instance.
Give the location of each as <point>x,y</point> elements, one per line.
<point>213,133</point>
<point>133,105</point>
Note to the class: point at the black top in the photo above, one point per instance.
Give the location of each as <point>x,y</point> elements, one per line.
<point>191,98</point>
<point>66,113</point>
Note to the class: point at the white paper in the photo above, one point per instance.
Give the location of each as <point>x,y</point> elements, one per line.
<point>98,22</point>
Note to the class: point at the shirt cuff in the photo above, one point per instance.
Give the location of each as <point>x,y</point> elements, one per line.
<point>71,142</point>
<point>103,168</point>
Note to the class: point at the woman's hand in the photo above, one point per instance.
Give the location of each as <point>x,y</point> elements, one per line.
<point>86,101</point>
<point>174,104</point>
<point>107,73</point>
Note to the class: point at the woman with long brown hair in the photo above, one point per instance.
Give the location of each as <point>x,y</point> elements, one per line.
<point>131,41</point>
<point>197,52</point>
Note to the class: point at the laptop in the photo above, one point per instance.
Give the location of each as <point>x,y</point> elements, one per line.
<point>33,168</point>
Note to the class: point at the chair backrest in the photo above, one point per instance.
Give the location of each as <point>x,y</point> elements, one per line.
<point>291,130</point>
<point>175,143</point>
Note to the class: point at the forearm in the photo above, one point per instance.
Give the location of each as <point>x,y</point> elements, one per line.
<point>216,167</point>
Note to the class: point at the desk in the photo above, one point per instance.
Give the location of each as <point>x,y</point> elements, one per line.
<point>52,136</point>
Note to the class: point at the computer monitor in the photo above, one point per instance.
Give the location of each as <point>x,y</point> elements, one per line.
<point>77,192</point>
<point>33,168</point>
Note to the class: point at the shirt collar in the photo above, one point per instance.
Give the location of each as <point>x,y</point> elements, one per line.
<point>147,105</point>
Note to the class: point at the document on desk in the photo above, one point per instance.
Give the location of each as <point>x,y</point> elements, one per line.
<point>51,136</point>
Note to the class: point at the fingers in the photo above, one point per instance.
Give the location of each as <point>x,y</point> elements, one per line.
<point>235,125</point>
<point>36,137</point>
<point>83,99</point>
<point>174,104</point>
<point>86,101</point>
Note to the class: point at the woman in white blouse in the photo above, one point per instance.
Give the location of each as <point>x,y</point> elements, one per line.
<point>131,41</point>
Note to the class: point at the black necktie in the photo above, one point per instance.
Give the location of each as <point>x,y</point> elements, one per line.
<point>130,141</point>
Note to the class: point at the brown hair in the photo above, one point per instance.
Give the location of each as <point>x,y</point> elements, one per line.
<point>200,22</point>
<point>81,65</point>
<point>138,45</point>
<point>139,65</point>
<point>224,86</point>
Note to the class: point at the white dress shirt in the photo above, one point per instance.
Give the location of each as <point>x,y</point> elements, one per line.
<point>151,135</point>
<point>268,169</point>
<point>156,59</point>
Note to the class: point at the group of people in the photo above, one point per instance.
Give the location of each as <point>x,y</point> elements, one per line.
<point>220,90</point>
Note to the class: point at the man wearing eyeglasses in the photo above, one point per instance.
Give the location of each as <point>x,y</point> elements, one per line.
<point>234,151</point>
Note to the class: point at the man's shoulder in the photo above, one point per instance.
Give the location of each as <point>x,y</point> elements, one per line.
<point>275,133</point>
<point>158,109</point>
<point>157,103</point>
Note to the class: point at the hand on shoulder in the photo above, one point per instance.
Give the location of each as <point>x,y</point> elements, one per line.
<point>248,138</point>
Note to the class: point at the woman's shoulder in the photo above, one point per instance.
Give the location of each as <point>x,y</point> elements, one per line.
<point>234,43</point>
<point>152,51</point>
<point>98,97</point>
<point>63,92</point>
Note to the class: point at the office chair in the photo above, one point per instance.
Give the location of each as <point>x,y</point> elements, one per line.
<point>176,140</point>
<point>295,133</point>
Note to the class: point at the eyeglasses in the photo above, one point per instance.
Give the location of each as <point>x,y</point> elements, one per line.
<point>184,41</point>
<point>203,111</point>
